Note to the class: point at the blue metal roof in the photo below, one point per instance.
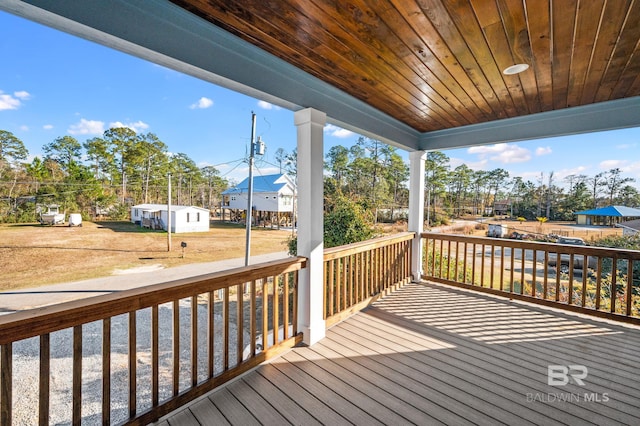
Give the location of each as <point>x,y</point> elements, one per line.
<point>265,183</point>
<point>616,211</point>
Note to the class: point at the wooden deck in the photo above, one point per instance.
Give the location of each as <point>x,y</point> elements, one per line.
<point>433,354</point>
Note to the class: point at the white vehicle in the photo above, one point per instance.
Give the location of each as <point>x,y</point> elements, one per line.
<point>52,216</point>
<point>75,219</point>
<point>565,259</point>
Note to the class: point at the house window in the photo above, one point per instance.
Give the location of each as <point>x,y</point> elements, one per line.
<point>233,198</point>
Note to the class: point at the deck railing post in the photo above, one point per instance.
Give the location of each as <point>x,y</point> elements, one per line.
<point>416,209</point>
<point>310,125</point>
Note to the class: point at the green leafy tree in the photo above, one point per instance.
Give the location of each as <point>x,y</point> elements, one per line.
<point>436,176</point>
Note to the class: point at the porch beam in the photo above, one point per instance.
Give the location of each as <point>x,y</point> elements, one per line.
<point>416,209</point>
<point>310,124</point>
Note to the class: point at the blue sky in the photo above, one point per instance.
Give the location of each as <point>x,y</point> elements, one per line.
<point>53,84</point>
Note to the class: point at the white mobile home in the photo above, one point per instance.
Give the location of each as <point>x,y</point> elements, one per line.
<point>183,218</point>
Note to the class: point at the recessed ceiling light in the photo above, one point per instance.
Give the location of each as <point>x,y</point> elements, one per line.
<point>515,69</point>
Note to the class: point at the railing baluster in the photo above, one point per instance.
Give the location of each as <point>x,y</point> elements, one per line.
<point>473,264</point>
<point>522,269</point>
<point>482,248</point>
<point>629,290</point>
<point>211,303</point>
<point>534,273</point>
<point>598,283</point>
<point>239,322</point>
<point>294,299</point>
<point>571,276</point>
<point>585,274</point>
<point>501,268</point>
<point>265,315</point>
<point>464,267</point>
<point>155,356</point>
<point>614,283</point>
<point>76,410</point>
<point>225,333</point>
<point>492,267</point>
<point>194,341</point>
<point>6,383</point>
<point>45,370</point>
<point>106,371</point>
<point>285,306</point>
<point>545,280</point>
<point>332,285</point>
<point>339,304</point>
<point>133,362</point>
<point>176,347</point>
<point>448,258</point>
<point>276,311</point>
<point>512,268</point>
<point>254,319</point>
<point>558,276</point>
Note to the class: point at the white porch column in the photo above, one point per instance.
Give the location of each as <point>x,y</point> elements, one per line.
<point>416,208</point>
<point>310,123</point>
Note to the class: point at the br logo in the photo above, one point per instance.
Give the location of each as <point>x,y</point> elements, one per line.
<point>561,375</point>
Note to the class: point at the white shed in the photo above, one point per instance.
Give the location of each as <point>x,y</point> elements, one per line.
<point>183,218</point>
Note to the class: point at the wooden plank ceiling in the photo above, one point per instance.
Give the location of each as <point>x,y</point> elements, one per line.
<point>437,64</point>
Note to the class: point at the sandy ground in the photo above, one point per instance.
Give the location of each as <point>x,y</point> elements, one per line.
<point>36,255</point>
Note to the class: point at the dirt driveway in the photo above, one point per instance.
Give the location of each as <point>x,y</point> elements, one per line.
<point>32,255</point>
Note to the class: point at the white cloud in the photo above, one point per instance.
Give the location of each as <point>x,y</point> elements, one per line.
<point>47,127</point>
<point>473,165</point>
<point>337,132</point>
<point>626,146</point>
<point>8,102</point>
<point>203,103</point>
<point>267,105</point>
<point>612,164</point>
<point>543,150</point>
<point>501,153</point>
<point>86,127</point>
<point>137,127</point>
<point>23,95</point>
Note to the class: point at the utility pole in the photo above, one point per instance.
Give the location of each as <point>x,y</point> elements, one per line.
<point>169,214</point>
<point>250,189</point>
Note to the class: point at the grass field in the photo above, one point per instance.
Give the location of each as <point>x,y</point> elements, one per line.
<point>33,255</point>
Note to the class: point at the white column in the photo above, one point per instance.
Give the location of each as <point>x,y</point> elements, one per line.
<point>416,208</point>
<point>310,124</point>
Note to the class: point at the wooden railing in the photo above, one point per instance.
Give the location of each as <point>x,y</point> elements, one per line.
<point>158,347</point>
<point>356,274</point>
<point>599,281</point>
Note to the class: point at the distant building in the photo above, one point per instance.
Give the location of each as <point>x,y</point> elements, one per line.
<point>630,227</point>
<point>273,199</point>
<point>183,218</point>
<point>607,216</point>
<point>502,207</point>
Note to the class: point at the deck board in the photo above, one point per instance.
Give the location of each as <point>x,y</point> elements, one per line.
<point>430,354</point>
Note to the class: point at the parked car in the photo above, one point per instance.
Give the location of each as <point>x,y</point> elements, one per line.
<point>565,259</point>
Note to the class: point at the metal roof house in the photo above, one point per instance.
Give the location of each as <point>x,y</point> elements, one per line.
<point>606,215</point>
<point>271,193</point>
<point>183,218</point>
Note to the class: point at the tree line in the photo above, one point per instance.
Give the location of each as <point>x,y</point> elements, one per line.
<point>102,176</point>
<point>106,174</point>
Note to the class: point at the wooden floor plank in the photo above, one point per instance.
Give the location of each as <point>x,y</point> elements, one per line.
<point>260,408</point>
<point>207,413</point>
<point>232,409</point>
<point>322,411</point>
<point>282,402</point>
<point>183,418</point>
<point>499,371</point>
<point>416,395</point>
<point>429,354</point>
<point>340,403</point>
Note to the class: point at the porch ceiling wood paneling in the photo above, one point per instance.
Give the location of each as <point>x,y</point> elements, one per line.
<point>437,64</point>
